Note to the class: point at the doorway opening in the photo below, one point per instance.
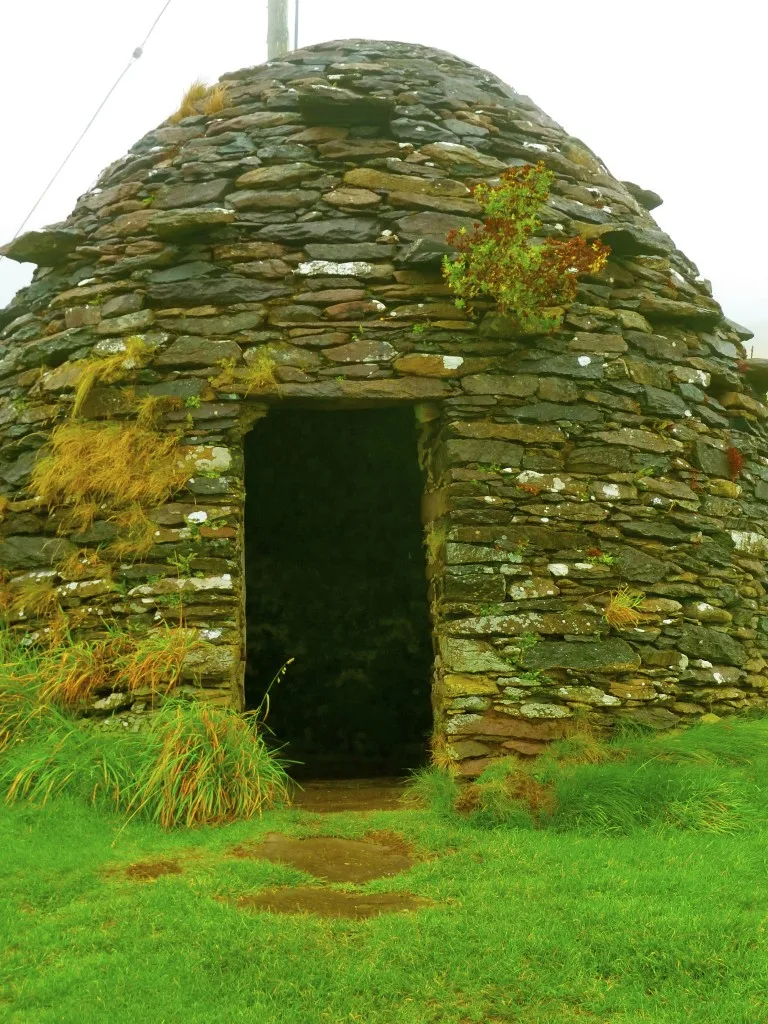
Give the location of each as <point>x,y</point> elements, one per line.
<point>336,579</point>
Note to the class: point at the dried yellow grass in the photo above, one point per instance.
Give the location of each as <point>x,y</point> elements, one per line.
<point>155,661</point>
<point>84,564</point>
<point>115,465</point>
<point>216,99</point>
<point>35,598</point>
<point>137,534</point>
<point>201,98</point>
<point>152,408</point>
<point>188,107</point>
<point>110,369</point>
<point>72,671</point>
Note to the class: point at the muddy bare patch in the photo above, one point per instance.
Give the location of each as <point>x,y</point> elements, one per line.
<point>330,858</point>
<point>307,899</point>
<point>149,870</point>
<point>327,796</point>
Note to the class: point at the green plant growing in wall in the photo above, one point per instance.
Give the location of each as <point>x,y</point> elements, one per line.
<point>492,609</point>
<point>530,278</point>
<point>260,373</point>
<point>183,564</point>
<point>597,557</point>
<point>519,645</point>
<point>435,537</point>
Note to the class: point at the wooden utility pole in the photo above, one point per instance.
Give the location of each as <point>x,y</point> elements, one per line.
<point>277,33</point>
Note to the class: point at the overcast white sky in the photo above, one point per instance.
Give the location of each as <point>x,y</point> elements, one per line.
<point>669,93</point>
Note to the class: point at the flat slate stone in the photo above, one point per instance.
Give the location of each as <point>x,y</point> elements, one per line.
<point>432,226</point>
<point>171,223</point>
<point>595,656</point>
<point>48,247</point>
<point>350,252</point>
<point>546,412</point>
<point>711,645</point>
<point>281,175</point>
<point>338,229</point>
<point>191,351</point>
<point>24,552</point>
<point>220,291</point>
<point>192,195</point>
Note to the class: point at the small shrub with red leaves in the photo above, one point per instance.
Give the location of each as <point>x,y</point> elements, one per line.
<point>735,462</point>
<point>502,258</point>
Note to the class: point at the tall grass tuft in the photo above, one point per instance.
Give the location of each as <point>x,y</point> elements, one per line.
<point>433,787</point>
<point>20,707</point>
<point>196,764</point>
<point>206,765</point>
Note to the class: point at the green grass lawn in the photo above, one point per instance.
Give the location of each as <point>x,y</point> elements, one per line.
<point>535,926</point>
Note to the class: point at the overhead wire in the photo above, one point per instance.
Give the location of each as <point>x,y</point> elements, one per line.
<point>134,57</point>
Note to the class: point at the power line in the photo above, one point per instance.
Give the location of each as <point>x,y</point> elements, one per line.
<point>134,57</point>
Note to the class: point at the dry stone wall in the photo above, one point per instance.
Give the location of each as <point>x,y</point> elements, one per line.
<point>287,249</point>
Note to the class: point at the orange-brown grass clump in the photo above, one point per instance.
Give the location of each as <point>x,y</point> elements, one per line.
<point>215,100</point>
<point>110,369</point>
<point>73,671</point>
<point>621,610</point>
<point>155,661</point>
<point>113,464</point>
<point>201,99</point>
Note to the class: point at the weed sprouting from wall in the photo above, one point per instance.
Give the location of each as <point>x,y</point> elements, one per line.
<point>260,373</point>
<point>621,610</point>
<point>528,277</point>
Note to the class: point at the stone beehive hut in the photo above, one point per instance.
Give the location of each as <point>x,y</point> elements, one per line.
<point>280,257</point>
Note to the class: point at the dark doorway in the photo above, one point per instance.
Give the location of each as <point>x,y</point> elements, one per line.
<point>335,579</point>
